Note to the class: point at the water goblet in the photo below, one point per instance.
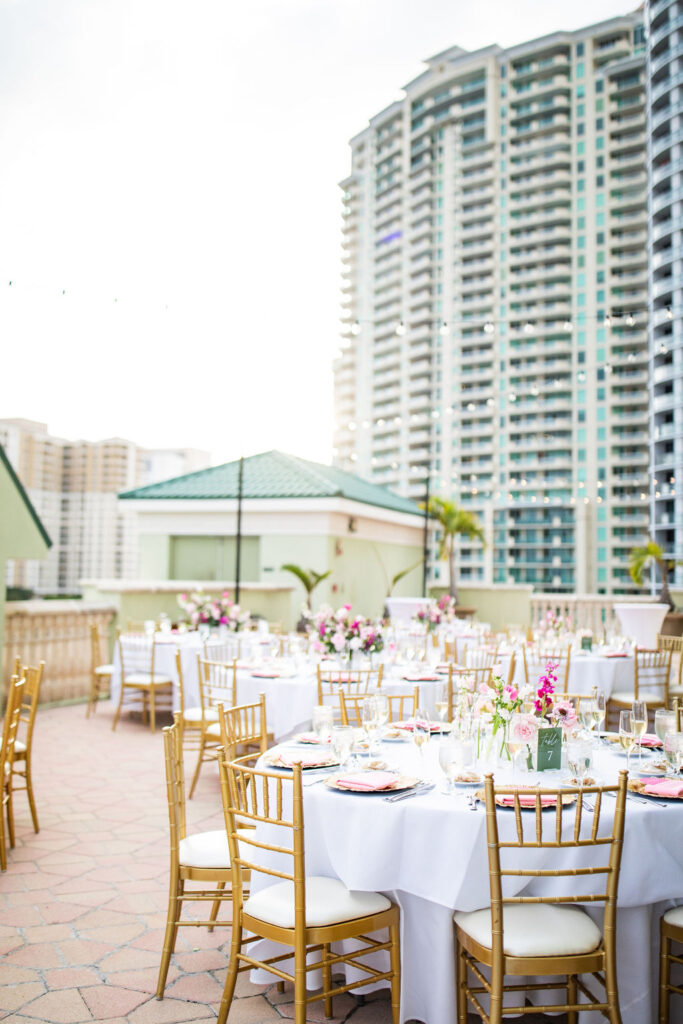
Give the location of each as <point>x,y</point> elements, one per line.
<point>342,742</point>
<point>673,751</point>
<point>441,702</point>
<point>421,731</point>
<point>322,720</point>
<point>579,757</point>
<point>369,722</point>
<point>665,723</point>
<point>449,758</point>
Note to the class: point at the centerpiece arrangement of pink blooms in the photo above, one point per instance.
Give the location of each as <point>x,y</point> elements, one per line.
<point>431,617</point>
<point>500,700</point>
<point>201,609</point>
<point>342,632</point>
<point>555,625</point>
<point>446,605</point>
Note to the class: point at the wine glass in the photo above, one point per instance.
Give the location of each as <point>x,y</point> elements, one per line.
<point>639,719</point>
<point>322,721</point>
<point>587,714</point>
<point>382,708</point>
<point>342,742</point>
<point>600,711</point>
<point>449,758</point>
<point>441,702</point>
<point>421,731</point>
<point>673,751</point>
<point>368,717</point>
<point>665,723</point>
<point>627,737</point>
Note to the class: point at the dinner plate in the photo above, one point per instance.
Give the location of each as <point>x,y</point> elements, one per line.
<point>461,782</point>
<point>567,798</point>
<point>637,786</point>
<point>403,737</point>
<point>402,782</point>
<point>272,761</point>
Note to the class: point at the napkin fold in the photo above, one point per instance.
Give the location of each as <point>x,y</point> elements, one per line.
<point>367,781</point>
<point>648,739</point>
<point>525,800</point>
<point>310,737</point>
<point>408,726</point>
<point>265,675</point>
<point>420,679</point>
<point>663,787</point>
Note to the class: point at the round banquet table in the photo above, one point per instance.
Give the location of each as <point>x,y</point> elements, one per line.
<point>609,672</point>
<point>290,695</point>
<point>428,853</point>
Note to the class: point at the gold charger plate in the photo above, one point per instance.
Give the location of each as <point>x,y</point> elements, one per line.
<point>402,782</point>
<point>274,762</point>
<point>638,786</point>
<point>567,798</point>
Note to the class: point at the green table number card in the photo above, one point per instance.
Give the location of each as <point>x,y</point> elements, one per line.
<point>586,643</point>
<point>549,754</point>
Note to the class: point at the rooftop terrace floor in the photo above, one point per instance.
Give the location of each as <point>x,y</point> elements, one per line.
<point>83,902</point>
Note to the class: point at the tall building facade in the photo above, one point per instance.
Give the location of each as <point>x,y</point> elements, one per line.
<point>665,156</point>
<point>73,486</point>
<point>495,302</point>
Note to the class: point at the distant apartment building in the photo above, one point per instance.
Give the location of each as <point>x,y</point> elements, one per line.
<point>495,302</point>
<point>665,156</point>
<point>73,486</point>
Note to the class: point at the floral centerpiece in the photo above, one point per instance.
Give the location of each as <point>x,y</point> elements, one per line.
<point>500,700</point>
<point>429,617</point>
<point>547,712</point>
<point>446,605</point>
<point>342,632</point>
<point>201,609</point>
<point>555,625</point>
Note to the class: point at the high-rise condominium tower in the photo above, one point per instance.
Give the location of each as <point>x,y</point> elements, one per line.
<point>495,302</point>
<point>665,155</point>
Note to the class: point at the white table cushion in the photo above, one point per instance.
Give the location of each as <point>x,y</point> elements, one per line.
<point>674,916</point>
<point>147,679</point>
<point>104,670</point>
<point>195,715</point>
<point>19,747</point>
<point>539,929</point>
<point>328,901</point>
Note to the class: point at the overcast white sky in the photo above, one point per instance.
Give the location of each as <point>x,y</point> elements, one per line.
<point>169,209</point>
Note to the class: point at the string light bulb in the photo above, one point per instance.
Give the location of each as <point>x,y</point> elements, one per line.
<point>631,320</point>
<point>444,329</point>
<point>488,327</point>
<point>355,327</point>
<point>567,326</point>
<point>528,327</point>
<point>669,313</point>
<point>400,328</point>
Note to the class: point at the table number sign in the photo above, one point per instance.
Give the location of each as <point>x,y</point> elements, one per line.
<point>586,643</point>
<point>549,753</point>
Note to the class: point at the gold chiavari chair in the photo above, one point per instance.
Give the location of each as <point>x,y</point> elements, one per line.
<point>402,706</point>
<point>677,708</point>
<point>353,681</point>
<point>548,935</point>
<point>200,857</point>
<point>223,650</point>
<point>138,678</point>
<point>217,685</point>
<point>100,673</point>
<point>651,671</point>
<point>23,744</point>
<point>275,628</point>
<point>307,914</point>
<point>243,727</point>
<point>10,727</point>
<point>675,645</point>
<point>481,657</point>
<point>512,668</point>
<point>670,930</point>
<point>450,650</point>
<point>465,679</point>
<point>193,719</point>
<point>535,661</point>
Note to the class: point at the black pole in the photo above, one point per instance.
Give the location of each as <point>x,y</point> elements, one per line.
<point>238,552</point>
<point>425,541</point>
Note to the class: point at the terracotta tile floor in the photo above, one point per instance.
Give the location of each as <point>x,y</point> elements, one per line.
<point>83,902</point>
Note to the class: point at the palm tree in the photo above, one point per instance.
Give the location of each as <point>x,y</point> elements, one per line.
<point>310,581</point>
<point>453,521</point>
<point>640,558</point>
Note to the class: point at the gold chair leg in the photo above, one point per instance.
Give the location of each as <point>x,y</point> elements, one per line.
<point>572,996</point>
<point>300,985</point>
<point>118,709</point>
<point>461,983</point>
<point>31,798</point>
<point>664,968</point>
<point>175,902</point>
<point>214,907</point>
<point>152,709</point>
<point>3,841</point>
<point>200,758</point>
<point>327,979</point>
<point>395,960</point>
<point>231,977</point>
<point>10,813</point>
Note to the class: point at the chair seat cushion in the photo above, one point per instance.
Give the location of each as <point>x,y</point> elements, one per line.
<point>206,849</point>
<point>214,730</point>
<point>538,929</point>
<point>104,670</point>
<point>622,697</point>
<point>195,715</point>
<point>674,916</point>
<point>628,696</point>
<point>147,679</point>
<point>19,747</point>
<point>328,901</point>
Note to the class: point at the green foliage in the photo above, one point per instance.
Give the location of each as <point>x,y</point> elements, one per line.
<point>454,520</point>
<point>309,579</point>
<point>641,557</point>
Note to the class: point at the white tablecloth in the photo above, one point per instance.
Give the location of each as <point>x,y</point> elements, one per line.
<point>586,671</point>
<point>428,853</point>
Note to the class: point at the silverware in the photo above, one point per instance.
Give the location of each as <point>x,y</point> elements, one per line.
<point>422,787</point>
<point>472,801</point>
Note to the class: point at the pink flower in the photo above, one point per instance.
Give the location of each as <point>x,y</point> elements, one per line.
<point>524,728</point>
<point>565,714</point>
<point>338,641</point>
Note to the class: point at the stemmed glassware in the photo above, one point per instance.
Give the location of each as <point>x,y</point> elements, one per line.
<point>449,758</point>
<point>342,742</point>
<point>515,738</point>
<point>627,737</point>
<point>322,721</point>
<point>421,731</point>
<point>665,723</point>
<point>639,720</point>
<point>673,751</point>
<point>600,711</point>
<point>368,717</point>
<point>579,757</point>
<point>587,714</point>
<point>441,702</point>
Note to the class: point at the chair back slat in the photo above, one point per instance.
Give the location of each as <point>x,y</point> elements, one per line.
<point>10,727</point>
<point>675,645</point>
<point>175,782</point>
<point>652,669</point>
<point>243,726</point>
<point>217,683</point>
<point>33,676</point>
<point>536,659</point>
<point>136,653</point>
<point>465,679</point>
<point>354,682</point>
<point>223,650</point>
<point>481,657</point>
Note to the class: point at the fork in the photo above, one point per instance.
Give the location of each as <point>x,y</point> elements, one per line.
<point>422,787</point>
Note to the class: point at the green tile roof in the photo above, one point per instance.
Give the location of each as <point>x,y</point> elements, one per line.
<point>275,475</point>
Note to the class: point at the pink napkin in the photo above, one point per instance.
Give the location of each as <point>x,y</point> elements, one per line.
<point>648,739</point>
<point>617,655</point>
<point>421,679</point>
<point>316,761</point>
<point>663,787</point>
<point>368,781</point>
<point>308,737</point>
<point>263,674</point>
<point>525,800</point>
<point>408,726</point>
